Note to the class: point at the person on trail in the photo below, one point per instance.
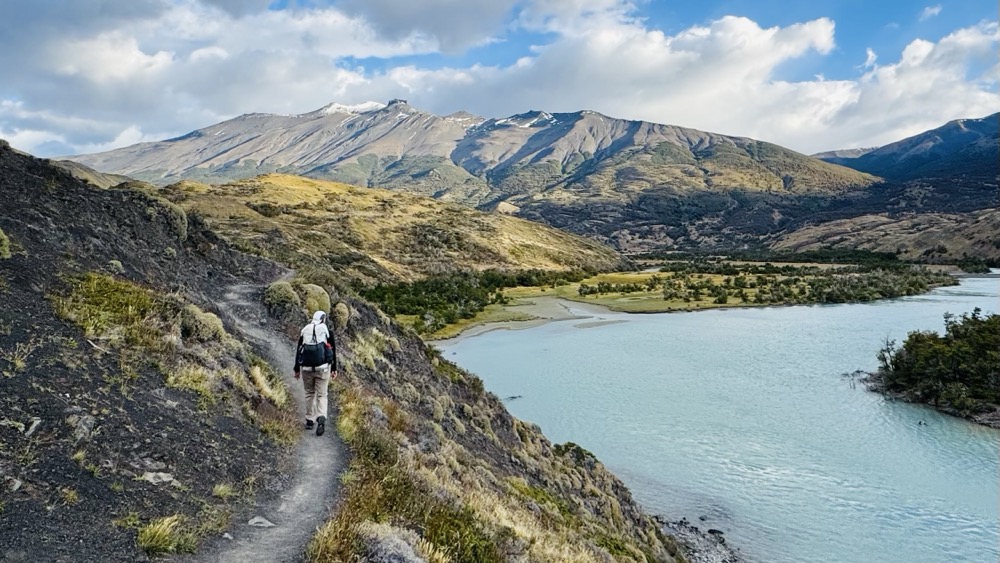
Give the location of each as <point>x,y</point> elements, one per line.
<point>316,364</point>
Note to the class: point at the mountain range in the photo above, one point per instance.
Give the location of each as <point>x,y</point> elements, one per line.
<point>635,185</point>
<point>471,159</point>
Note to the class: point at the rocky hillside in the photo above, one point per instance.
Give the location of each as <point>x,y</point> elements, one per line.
<point>129,406</point>
<point>125,403</point>
<point>368,235</point>
<point>925,237</point>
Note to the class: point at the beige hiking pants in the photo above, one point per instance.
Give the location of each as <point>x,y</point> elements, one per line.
<point>315,382</point>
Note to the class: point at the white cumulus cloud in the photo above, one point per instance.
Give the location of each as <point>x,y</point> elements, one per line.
<point>150,69</point>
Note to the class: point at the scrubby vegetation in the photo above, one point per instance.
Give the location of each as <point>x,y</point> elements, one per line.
<point>190,347</point>
<point>958,372</point>
<point>441,305</point>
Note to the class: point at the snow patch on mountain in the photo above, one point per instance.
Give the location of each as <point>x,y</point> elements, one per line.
<point>366,107</point>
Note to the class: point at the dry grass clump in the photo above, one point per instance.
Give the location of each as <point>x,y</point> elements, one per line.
<point>194,378</point>
<point>223,491</point>
<point>4,245</point>
<point>268,384</point>
<point>179,533</point>
<point>166,535</point>
<point>370,346</point>
<point>341,314</point>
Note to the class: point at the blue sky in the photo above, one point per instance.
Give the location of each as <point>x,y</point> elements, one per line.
<point>91,75</point>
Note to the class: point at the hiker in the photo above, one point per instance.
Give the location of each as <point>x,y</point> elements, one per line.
<point>316,364</point>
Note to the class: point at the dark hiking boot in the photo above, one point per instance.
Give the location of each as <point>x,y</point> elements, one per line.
<point>320,425</point>
<point>309,425</point>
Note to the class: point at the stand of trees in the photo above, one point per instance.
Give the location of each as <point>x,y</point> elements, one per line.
<point>767,283</point>
<point>444,299</point>
<point>959,371</point>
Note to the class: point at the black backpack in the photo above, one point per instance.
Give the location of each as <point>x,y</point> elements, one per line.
<point>312,355</point>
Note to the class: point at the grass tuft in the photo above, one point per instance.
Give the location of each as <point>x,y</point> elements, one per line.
<point>166,535</point>
<point>223,491</point>
<point>194,378</point>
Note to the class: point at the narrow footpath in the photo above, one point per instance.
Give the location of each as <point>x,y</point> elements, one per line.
<point>306,498</point>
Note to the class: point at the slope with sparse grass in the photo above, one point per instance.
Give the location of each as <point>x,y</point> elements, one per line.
<point>368,235</point>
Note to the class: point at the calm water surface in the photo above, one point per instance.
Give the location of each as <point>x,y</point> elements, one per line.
<point>745,416</point>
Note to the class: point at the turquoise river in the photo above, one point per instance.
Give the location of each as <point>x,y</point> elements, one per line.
<point>745,417</point>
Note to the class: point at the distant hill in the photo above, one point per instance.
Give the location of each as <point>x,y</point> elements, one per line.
<point>960,148</point>
<point>938,203</point>
<point>370,235</point>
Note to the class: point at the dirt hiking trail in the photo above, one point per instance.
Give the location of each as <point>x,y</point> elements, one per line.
<point>304,500</point>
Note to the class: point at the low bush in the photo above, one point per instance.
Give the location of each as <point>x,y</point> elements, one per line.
<point>340,315</point>
<point>282,302</point>
<point>314,298</point>
<point>200,325</point>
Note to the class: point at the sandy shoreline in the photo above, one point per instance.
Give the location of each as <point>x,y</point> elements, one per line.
<point>544,310</point>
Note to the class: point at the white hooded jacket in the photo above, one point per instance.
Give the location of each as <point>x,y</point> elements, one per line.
<point>319,324</point>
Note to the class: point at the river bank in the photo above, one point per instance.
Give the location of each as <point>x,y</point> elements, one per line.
<point>537,312</point>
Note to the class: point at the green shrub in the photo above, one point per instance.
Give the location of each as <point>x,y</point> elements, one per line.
<point>282,302</point>
<point>4,246</point>
<point>314,298</point>
<point>201,325</point>
<point>177,220</point>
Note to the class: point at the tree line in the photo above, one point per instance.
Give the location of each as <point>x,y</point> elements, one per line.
<point>444,299</point>
<point>692,281</point>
